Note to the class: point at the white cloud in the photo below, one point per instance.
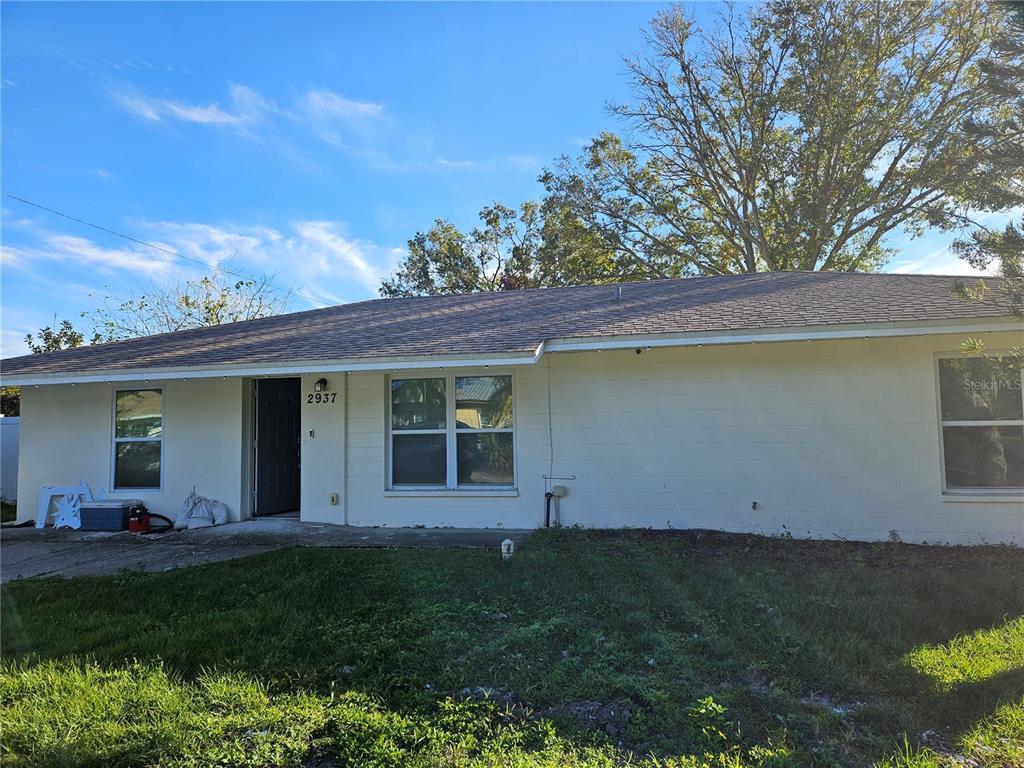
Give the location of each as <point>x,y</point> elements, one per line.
<point>209,114</point>
<point>514,163</point>
<point>248,103</point>
<point>359,127</point>
<point>323,255</point>
<point>457,164</point>
<point>80,250</point>
<point>246,107</point>
<point>324,102</point>
<point>941,261</point>
<point>336,119</point>
<point>12,342</point>
<point>137,105</point>
<point>331,117</point>
<point>13,329</point>
<point>214,245</point>
<point>316,259</point>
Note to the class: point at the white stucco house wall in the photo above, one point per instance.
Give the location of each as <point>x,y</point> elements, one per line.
<point>818,404</point>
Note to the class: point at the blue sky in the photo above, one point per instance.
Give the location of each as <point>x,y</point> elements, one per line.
<point>310,140</point>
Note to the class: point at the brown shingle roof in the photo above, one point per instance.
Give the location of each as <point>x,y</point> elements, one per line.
<point>475,325</point>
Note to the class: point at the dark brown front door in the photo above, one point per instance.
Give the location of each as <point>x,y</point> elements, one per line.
<point>277,446</point>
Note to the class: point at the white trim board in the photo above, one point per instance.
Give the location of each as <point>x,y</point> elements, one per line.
<point>271,370</point>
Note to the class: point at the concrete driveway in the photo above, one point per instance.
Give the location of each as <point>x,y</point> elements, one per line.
<point>28,552</point>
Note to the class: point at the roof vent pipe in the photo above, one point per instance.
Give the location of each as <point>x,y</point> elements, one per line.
<point>618,292</point>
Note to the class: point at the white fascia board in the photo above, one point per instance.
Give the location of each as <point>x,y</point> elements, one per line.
<point>333,366</point>
<point>820,333</point>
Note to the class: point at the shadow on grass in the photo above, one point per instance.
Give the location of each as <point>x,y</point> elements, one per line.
<point>973,702</point>
<point>804,641</point>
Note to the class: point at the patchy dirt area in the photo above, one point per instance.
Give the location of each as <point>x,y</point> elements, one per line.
<point>790,552</point>
<point>610,718</point>
<point>30,552</point>
<point>593,715</point>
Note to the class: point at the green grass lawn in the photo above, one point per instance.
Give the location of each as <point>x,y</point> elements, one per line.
<point>692,650</point>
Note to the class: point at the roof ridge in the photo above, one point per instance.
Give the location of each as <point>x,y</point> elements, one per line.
<point>483,294</point>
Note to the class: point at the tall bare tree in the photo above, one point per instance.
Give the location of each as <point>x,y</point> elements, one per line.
<point>798,134</point>
<point>214,299</point>
<point>195,303</point>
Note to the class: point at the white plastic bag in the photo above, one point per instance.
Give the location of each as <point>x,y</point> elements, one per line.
<point>201,517</point>
<point>187,507</point>
<point>200,512</point>
<point>219,511</point>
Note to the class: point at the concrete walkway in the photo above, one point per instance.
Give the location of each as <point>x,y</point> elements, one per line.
<point>28,552</point>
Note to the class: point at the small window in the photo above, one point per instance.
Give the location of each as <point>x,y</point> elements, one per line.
<point>138,438</point>
<point>452,432</point>
<point>982,404</point>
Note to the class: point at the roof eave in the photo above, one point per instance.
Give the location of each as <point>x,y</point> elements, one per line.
<point>568,344</point>
<point>270,369</point>
<point>893,329</point>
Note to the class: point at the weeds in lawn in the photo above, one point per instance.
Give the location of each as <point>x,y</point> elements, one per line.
<point>710,650</point>
<point>60,714</point>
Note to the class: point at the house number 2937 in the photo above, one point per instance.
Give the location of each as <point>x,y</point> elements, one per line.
<point>324,398</point>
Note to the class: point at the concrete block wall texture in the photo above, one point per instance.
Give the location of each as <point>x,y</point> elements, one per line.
<point>67,436</point>
<point>829,438</point>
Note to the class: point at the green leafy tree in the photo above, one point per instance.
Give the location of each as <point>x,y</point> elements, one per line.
<point>195,303</point>
<point>48,339</point>
<point>798,134</point>
<point>56,338</point>
<point>10,401</point>
<point>1002,251</point>
<point>538,245</point>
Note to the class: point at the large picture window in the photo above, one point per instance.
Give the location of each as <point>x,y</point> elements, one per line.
<point>982,405</point>
<point>451,432</point>
<point>138,438</point>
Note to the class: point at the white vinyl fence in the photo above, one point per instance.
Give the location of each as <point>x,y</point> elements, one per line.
<point>9,426</point>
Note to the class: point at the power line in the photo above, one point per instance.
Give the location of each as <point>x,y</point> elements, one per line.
<point>154,246</point>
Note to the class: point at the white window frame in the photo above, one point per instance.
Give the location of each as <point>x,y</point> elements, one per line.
<point>451,431</point>
<point>114,488</point>
<point>960,491</point>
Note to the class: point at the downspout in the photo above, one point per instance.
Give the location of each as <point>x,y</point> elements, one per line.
<point>552,491</point>
<point>551,450</point>
<point>344,458</point>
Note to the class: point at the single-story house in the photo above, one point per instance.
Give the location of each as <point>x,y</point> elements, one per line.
<point>818,404</point>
